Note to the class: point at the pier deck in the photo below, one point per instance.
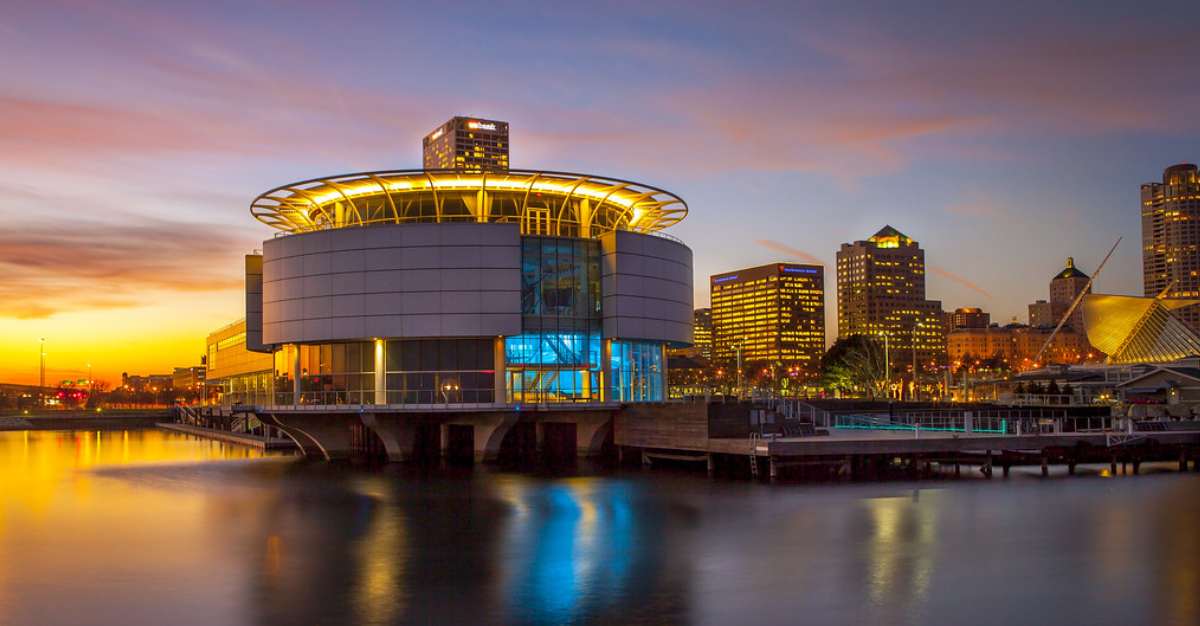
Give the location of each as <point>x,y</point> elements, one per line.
<point>899,442</point>
<point>843,443</point>
<point>688,433</point>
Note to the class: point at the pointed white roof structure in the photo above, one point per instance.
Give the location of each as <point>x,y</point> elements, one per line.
<point>1132,329</point>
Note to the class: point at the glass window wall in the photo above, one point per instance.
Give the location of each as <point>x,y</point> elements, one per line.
<point>637,371</point>
<point>560,283</point>
<point>248,389</point>
<point>553,367</point>
<point>337,373</point>
<point>441,371</point>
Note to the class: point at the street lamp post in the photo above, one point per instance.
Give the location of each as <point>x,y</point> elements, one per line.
<point>915,394</point>
<point>42,373</point>
<point>887,367</point>
<point>739,371</point>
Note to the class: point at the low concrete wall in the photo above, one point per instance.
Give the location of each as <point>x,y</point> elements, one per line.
<point>676,426</point>
<point>85,421</point>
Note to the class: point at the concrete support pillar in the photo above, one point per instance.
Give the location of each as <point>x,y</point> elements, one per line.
<point>1182,460</point>
<point>380,373</point>
<point>323,435</point>
<point>1045,466</point>
<point>585,218</point>
<point>662,354</point>
<point>591,431</point>
<point>1137,466</point>
<point>490,430</point>
<point>501,379</point>
<point>296,374</point>
<point>606,375</point>
<point>398,433</point>
<point>1112,466</point>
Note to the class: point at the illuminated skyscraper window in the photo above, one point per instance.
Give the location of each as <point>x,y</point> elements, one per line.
<point>1171,238</point>
<point>881,293</point>
<point>773,314</point>
<point>470,144</point>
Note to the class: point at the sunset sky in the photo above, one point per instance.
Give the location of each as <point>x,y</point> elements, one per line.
<point>1002,136</point>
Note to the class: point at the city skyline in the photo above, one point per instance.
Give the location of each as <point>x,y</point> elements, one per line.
<point>1002,156</point>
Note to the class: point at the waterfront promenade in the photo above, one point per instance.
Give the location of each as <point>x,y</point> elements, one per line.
<point>868,445</point>
<point>86,420</point>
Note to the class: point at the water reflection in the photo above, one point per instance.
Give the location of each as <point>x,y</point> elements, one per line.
<point>902,550</point>
<point>571,546</point>
<point>153,527</point>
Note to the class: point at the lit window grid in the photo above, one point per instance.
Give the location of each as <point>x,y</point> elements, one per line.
<point>773,319</point>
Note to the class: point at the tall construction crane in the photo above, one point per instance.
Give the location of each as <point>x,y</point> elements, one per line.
<point>1079,298</point>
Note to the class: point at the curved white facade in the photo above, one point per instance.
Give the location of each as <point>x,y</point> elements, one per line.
<point>646,282</point>
<point>454,280</point>
<point>394,281</point>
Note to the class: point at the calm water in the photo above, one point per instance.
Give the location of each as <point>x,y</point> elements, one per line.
<point>156,528</point>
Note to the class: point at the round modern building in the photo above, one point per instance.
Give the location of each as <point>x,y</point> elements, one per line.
<point>508,290</point>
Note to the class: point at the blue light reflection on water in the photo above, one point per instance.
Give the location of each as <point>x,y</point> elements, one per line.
<point>573,542</point>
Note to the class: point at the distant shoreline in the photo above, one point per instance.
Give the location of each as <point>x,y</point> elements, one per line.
<point>78,420</point>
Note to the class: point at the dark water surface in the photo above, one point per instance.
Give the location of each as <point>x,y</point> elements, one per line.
<point>149,527</point>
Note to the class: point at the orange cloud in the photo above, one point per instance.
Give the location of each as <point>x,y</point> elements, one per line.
<point>951,276</point>
<point>80,265</point>
<point>795,253</point>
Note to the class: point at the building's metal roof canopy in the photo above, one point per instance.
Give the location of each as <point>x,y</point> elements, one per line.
<point>1131,329</point>
<point>542,202</point>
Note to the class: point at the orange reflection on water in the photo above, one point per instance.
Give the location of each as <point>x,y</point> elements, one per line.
<point>76,509</point>
<point>36,465</point>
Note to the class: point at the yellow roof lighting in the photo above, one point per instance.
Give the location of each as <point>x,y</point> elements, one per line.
<point>578,204</point>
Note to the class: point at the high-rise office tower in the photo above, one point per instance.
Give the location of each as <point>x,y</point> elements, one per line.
<point>881,293</point>
<point>1171,238</point>
<point>702,332</point>
<point>470,144</point>
<point>774,313</point>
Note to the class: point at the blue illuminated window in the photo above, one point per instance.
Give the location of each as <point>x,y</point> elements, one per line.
<point>637,371</point>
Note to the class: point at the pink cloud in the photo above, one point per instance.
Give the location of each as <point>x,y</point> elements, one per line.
<point>792,253</point>
<point>79,265</point>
